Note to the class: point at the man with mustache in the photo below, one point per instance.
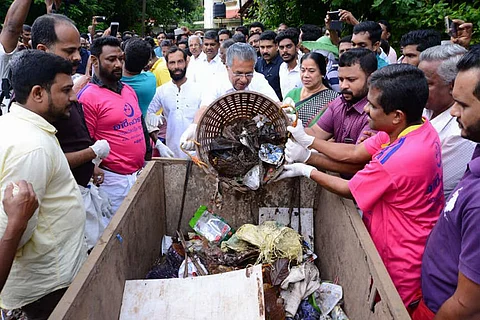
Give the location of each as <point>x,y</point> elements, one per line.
<point>345,120</point>
<point>211,66</point>
<point>52,246</point>
<point>179,98</point>
<point>55,33</point>
<point>270,62</point>
<point>400,190</point>
<point>112,113</point>
<point>450,273</point>
<point>240,75</point>
<point>289,71</point>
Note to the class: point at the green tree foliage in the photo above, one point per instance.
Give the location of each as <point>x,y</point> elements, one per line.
<point>127,12</point>
<point>403,15</point>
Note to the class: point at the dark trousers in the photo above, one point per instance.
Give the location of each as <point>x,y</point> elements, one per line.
<point>43,307</point>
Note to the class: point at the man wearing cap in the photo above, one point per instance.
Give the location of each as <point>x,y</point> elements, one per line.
<point>270,62</point>
<point>325,46</point>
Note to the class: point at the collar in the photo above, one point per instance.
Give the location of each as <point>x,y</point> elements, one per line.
<point>440,121</point>
<point>23,113</point>
<point>275,61</point>
<point>407,130</point>
<point>358,106</point>
<point>159,61</point>
<point>284,65</point>
<point>202,56</point>
<point>118,88</point>
<point>217,59</point>
<point>474,164</point>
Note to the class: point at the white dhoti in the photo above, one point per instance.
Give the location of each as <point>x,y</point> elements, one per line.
<point>117,186</point>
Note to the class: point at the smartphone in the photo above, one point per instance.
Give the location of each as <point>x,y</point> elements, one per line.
<point>334,15</point>
<point>114,28</point>
<point>100,18</point>
<point>450,27</point>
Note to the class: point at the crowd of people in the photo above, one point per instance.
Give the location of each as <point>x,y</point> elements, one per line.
<point>82,113</point>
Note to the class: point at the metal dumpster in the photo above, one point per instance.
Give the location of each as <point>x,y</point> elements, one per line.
<point>132,241</point>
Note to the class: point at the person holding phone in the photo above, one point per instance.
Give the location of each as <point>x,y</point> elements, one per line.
<point>463,34</point>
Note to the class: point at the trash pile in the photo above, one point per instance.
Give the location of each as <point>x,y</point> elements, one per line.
<point>248,153</point>
<point>291,281</point>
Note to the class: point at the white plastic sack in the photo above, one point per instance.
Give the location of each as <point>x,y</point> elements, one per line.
<point>99,212</point>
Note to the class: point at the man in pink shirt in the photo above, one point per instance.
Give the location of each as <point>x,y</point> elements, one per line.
<point>112,113</point>
<point>400,190</point>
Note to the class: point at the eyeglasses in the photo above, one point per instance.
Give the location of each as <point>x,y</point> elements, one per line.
<point>239,75</point>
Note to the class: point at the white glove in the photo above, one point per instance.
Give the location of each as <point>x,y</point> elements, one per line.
<point>164,150</point>
<point>189,134</point>
<point>154,120</point>
<point>294,152</point>
<point>101,148</point>
<point>300,135</point>
<point>290,113</point>
<point>289,108</point>
<point>295,170</point>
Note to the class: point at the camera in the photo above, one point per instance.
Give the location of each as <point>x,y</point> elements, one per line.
<point>99,18</point>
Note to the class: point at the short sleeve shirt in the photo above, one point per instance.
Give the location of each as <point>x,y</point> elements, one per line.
<point>401,195</point>
<point>454,244</point>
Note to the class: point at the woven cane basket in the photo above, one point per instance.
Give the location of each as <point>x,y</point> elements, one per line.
<point>233,106</point>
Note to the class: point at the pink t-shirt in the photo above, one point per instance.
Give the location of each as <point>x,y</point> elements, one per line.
<point>117,119</point>
<point>401,195</point>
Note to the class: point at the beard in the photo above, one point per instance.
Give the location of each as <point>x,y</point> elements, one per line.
<point>177,76</point>
<point>289,58</point>
<point>356,97</point>
<point>55,113</point>
<point>109,76</point>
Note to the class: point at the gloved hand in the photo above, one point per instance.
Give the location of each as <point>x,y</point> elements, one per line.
<point>164,150</point>
<point>101,149</point>
<point>154,120</point>
<point>288,106</point>
<point>300,135</point>
<point>186,140</point>
<point>295,170</point>
<point>294,152</point>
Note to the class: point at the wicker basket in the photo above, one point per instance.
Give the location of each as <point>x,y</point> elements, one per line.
<point>230,107</point>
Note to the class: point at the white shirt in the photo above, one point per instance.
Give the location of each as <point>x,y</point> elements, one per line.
<point>179,107</point>
<point>204,72</point>
<point>289,79</point>
<point>193,65</point>
<point>456,151</point>
<point>222,85</point>
<point>52,248</point>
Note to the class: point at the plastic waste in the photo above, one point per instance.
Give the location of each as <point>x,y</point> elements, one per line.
<point>209,225</point>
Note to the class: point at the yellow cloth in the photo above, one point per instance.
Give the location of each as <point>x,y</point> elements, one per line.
<point>160,70</point>
<point>52,249</point>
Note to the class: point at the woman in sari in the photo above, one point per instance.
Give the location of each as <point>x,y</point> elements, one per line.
<point>311,100</point>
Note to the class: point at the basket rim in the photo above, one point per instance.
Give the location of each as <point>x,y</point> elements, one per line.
<point>210,168</point>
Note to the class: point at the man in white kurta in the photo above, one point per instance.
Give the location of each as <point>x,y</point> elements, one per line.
<point>180,99</point>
